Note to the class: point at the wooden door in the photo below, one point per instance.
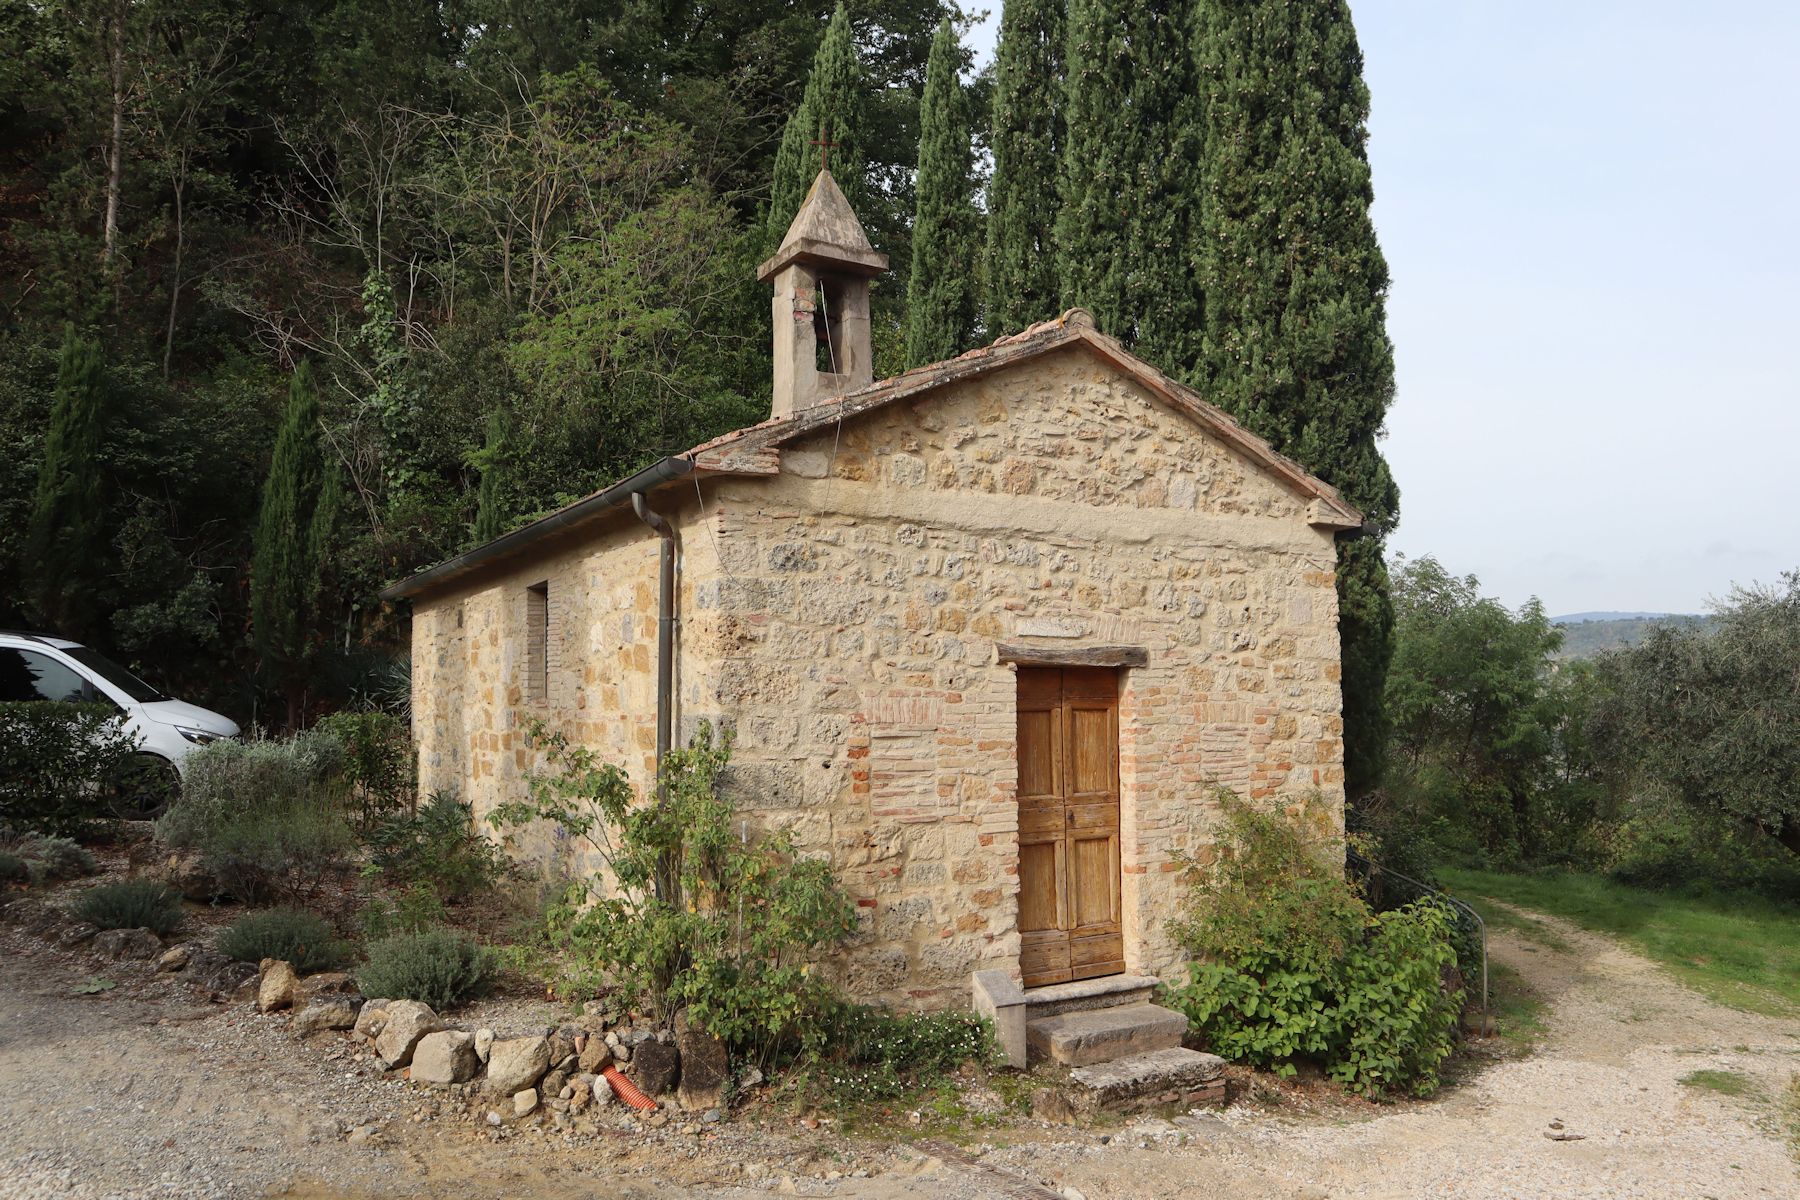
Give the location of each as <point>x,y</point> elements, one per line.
<point>1069,824</point>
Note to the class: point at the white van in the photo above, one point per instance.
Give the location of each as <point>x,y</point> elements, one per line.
<point>38,667</point>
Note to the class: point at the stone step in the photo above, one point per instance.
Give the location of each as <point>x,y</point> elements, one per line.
<point>1077,1039</point>
<point>1172,1076</point>
<point>1109,991</point>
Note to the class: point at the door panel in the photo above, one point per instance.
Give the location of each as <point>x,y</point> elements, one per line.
<point>1068,824</point>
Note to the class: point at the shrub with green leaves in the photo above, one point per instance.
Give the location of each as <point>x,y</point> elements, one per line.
<point>131,904</point>
<point>438,847</point>
<point>699,913</point>
<point>51,857</point>
<point>859,1053</point>
<point>13,869</point>
<point>265,817</point>
<point>294,935</point>
<point>379,769</point>
<point>57,761</point>
<point>1291,964</point>
<point>435,967</point>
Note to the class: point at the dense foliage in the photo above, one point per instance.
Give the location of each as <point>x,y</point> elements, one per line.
<point>292,935</point>
<point>1290,964</point>
<point>540,221</point>
<point>694,908</point>
<point>43,857</point>
<point>58,763</point>
<point>438,848</point>
<point>265,817</point>
<point>1668,764</point>
<point>131,904</point>
<point>1026,143</point>
<point>941,295</point>
<point>437,967</point>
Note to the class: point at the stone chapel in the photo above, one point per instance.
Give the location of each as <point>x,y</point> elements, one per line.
<point>989,632</point>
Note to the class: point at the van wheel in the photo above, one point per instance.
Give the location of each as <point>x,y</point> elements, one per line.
<point>145,787</point>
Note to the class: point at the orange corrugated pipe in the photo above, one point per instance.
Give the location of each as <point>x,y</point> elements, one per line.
<point>627,1090</point>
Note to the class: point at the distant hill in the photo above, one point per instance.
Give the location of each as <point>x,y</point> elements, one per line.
<point>1590,633</point>
<point>1578,618</point>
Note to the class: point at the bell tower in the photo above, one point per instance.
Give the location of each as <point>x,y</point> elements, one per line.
<point>820,308</point>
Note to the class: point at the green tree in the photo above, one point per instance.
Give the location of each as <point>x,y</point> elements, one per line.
<point>1473,712</point>
<point>66,541</point>
<point>67,535</point>
<point>1711,716</point>
<point>1295,341</point>
<point>1026,140</point>
<point>284,571</point>
<point>1126,174</point>
<point>832,109</point>
<point>491,515</point>
<point>940,297</point>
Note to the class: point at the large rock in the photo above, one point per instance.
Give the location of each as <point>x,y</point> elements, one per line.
<point>372,1017</point>
<point>407,1023</point>
<point>515,1064</point>
<point>445,1057</point>
<point>655,1066</point>
<point>596,1056</point>
<point>330,1012</point>
<point>277,987</point>
<point>704,1066</point>
<point>326,985</point>
<point>185,871</point>
<point>217,974</point>
<point>128,944</point>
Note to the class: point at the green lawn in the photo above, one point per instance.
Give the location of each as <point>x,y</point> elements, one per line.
<point>1741,951</point>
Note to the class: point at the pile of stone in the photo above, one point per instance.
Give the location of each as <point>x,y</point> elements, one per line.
<point>558,1069</point>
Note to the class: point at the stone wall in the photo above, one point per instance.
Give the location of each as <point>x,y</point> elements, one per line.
<point>472,653</point>
<point>851,632</point>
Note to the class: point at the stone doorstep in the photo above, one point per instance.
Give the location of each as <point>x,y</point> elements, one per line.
<point>1174,1076</point>
<point>1079,1039</point>
<point>1108,991</point>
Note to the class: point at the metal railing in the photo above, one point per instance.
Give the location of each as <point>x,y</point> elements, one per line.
<point>1371,868</point>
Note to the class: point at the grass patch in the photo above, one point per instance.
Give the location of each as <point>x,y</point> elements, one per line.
<point>1518,1011</point>
<point>1726,1083</point>
<point>1742,951</point>
<point>1528,927</point>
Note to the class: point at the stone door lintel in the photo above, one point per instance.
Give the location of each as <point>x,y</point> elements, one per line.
<point>1071,656</point>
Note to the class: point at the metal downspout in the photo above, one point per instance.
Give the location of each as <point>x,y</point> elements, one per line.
<point>665,628</point>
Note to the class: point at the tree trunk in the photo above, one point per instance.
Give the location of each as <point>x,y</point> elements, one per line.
<point>115,155</point>
<point>175,279</point>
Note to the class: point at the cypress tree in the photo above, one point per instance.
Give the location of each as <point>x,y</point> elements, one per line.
<point>65,535</point>
<point>1027,137</point>
<point>490,501</point>
<point>283,572</point>
<point>940,296</point>
<point>1126,180</point>
<point>1295,338</point>
<point>833,104</point>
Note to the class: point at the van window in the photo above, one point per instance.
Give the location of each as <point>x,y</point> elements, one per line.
<point>28,675</point>
<point>116,675</point>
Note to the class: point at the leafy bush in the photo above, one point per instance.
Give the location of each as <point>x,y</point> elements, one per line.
<point>435,967</point>
<point>265,817</point>
<point>131,904</point>
<point>859,1053</point>
<point>302,938</point>
<point>56,762</point>
<point>13,869</point>
<point>417,908</point>
<point>51,857</point>
<point>700,915</point>
<point>437,847</point>
<point>379,767</point>
<point>1290,963</point>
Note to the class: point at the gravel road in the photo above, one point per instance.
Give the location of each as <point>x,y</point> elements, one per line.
<point>144,1092</point>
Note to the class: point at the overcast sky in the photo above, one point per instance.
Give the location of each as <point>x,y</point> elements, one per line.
<point>1591,211</point>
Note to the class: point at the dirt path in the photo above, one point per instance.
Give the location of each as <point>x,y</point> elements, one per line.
<point>140,1093</point>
